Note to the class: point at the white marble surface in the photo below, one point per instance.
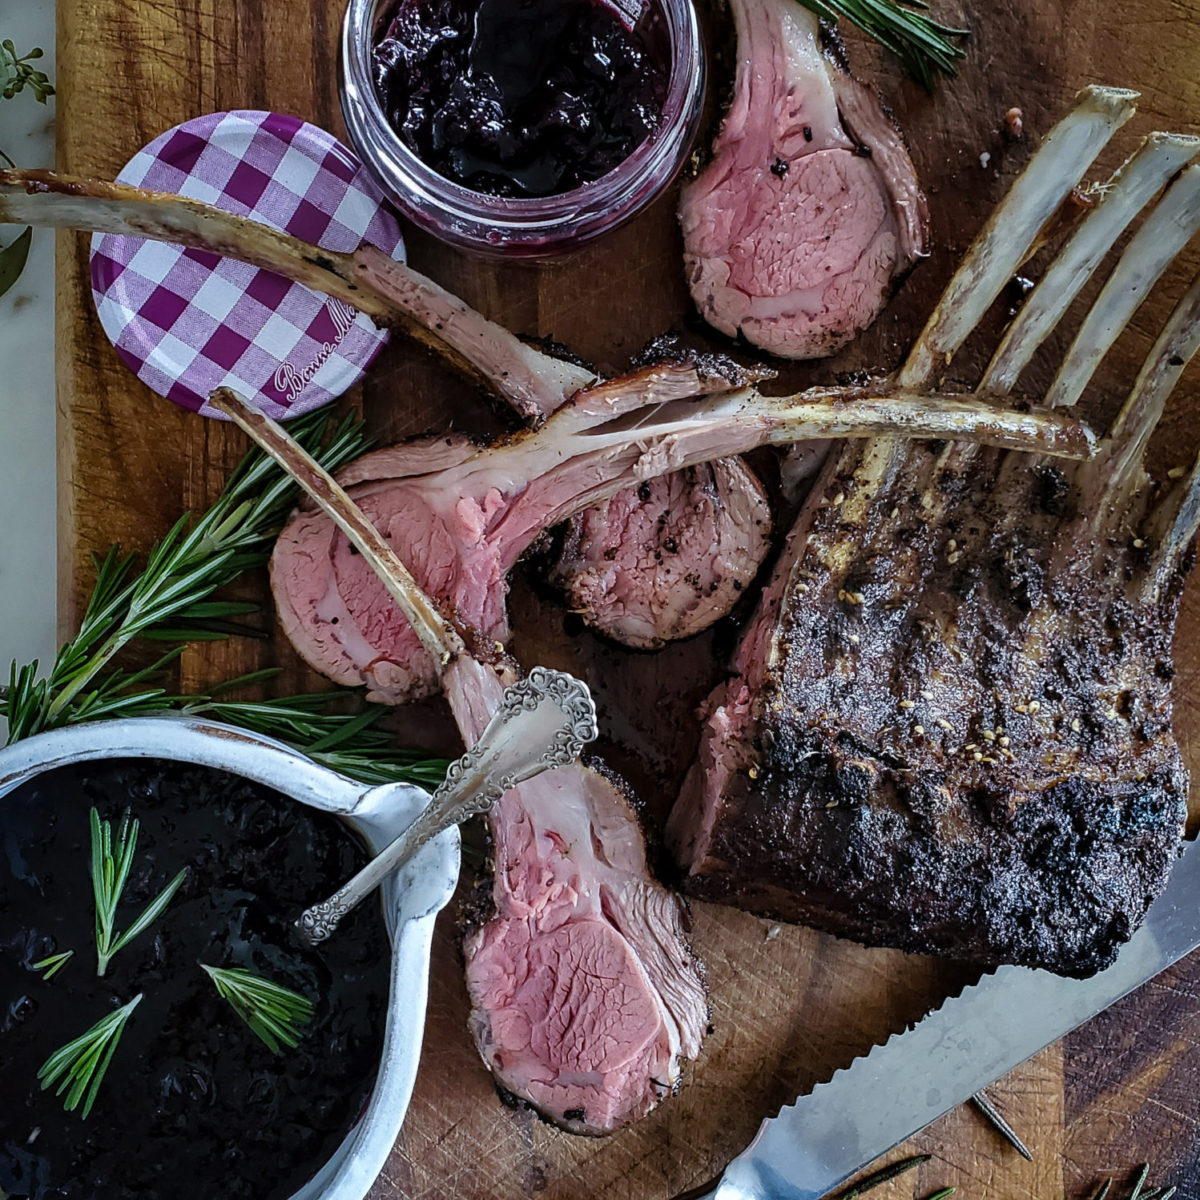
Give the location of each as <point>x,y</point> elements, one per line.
<point>27,411</point>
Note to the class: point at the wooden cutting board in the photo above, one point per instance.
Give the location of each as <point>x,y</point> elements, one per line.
<point>790,1006</point>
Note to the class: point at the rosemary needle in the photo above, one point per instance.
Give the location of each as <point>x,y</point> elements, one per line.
<point>883,1176</point>
<point>1143,1175</point>
<point>989,1110</point>
<point>942,1194</point>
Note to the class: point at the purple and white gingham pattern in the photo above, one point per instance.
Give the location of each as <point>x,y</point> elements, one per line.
<point>187,321</point>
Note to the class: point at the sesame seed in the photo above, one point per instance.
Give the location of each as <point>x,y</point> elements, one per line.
<point>1035,706</point>
<point>1112,714</point>
<point>832,804</point>
<point>953,558</point>
<point>907,704</point>
<point>1176,473</point>
<point>1004,741</point>
<point>926,695</point>
<point>1021,708</point>
<point>840,498</point>
<point>988,760</point>
<point>918,729</point>
<point>988,736</point>
<point>855,639</point>
<point>1139,543</point>
<point>927,501</point>
<point>952,544</point>
<point>944,723</point>
<point>1076,726</point>
<point>971,746</point>
<point>977,756</point>
<point>894,514</point>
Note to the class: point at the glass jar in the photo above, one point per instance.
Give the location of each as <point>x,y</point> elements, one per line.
<point>529,227</point>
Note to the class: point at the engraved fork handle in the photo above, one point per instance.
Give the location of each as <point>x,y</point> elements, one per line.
<point>543,721</point>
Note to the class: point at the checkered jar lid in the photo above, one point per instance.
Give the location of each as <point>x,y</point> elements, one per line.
<point>187,321</point>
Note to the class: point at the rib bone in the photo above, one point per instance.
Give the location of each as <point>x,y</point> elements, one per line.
<point>1128,192</point>
<point>1059,164</point>
<point>391,293</point>
<point>1168,228</point>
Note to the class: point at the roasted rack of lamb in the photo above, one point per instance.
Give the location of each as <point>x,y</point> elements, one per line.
<point>950,724</point>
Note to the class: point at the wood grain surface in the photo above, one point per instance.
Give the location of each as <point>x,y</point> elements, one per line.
<point>789,1007</point>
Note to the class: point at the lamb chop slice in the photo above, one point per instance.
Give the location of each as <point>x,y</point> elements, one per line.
<point>810,208</point>
<point>950,724</point>
<point>668,554</point>
<point>585,996</point>
<point>533,382</point>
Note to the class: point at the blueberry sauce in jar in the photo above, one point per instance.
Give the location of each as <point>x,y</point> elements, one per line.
<point>518,98</point>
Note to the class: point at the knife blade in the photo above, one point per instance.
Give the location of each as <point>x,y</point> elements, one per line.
<point>974,1038</point>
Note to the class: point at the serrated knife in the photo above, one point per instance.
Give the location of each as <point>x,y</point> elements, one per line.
<point>827,1136</point>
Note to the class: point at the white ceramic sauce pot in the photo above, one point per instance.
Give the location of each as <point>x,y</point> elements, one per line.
<point>412,897</point>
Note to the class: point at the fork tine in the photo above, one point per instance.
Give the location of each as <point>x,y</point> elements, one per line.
<point>1064,155</point>
<point>1131,188</point>
<point>1169,227</point>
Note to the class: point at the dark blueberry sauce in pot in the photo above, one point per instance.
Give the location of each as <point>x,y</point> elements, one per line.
<point>193,1105</point>
<point>519,98</point>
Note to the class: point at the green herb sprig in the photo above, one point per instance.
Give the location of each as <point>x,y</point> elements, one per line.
<point>924,46</point>
<point>272,1011</point>
<point>110,873</point>
<point>1139,1183</point>
<point>80,1065</point>
<point>348,742</point>
<point>171,597</point>
<point>16,73</point>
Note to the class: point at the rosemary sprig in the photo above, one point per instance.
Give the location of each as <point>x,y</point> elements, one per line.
<point>348,742</point>
<point>52,964</point>
<point>923,45</point>
<point>272,1011</point>
<point>172,594</point>
<point>80,1065</point>
<point>110,872</point>
<point>171,600</point>
<point>1154,1193</point>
